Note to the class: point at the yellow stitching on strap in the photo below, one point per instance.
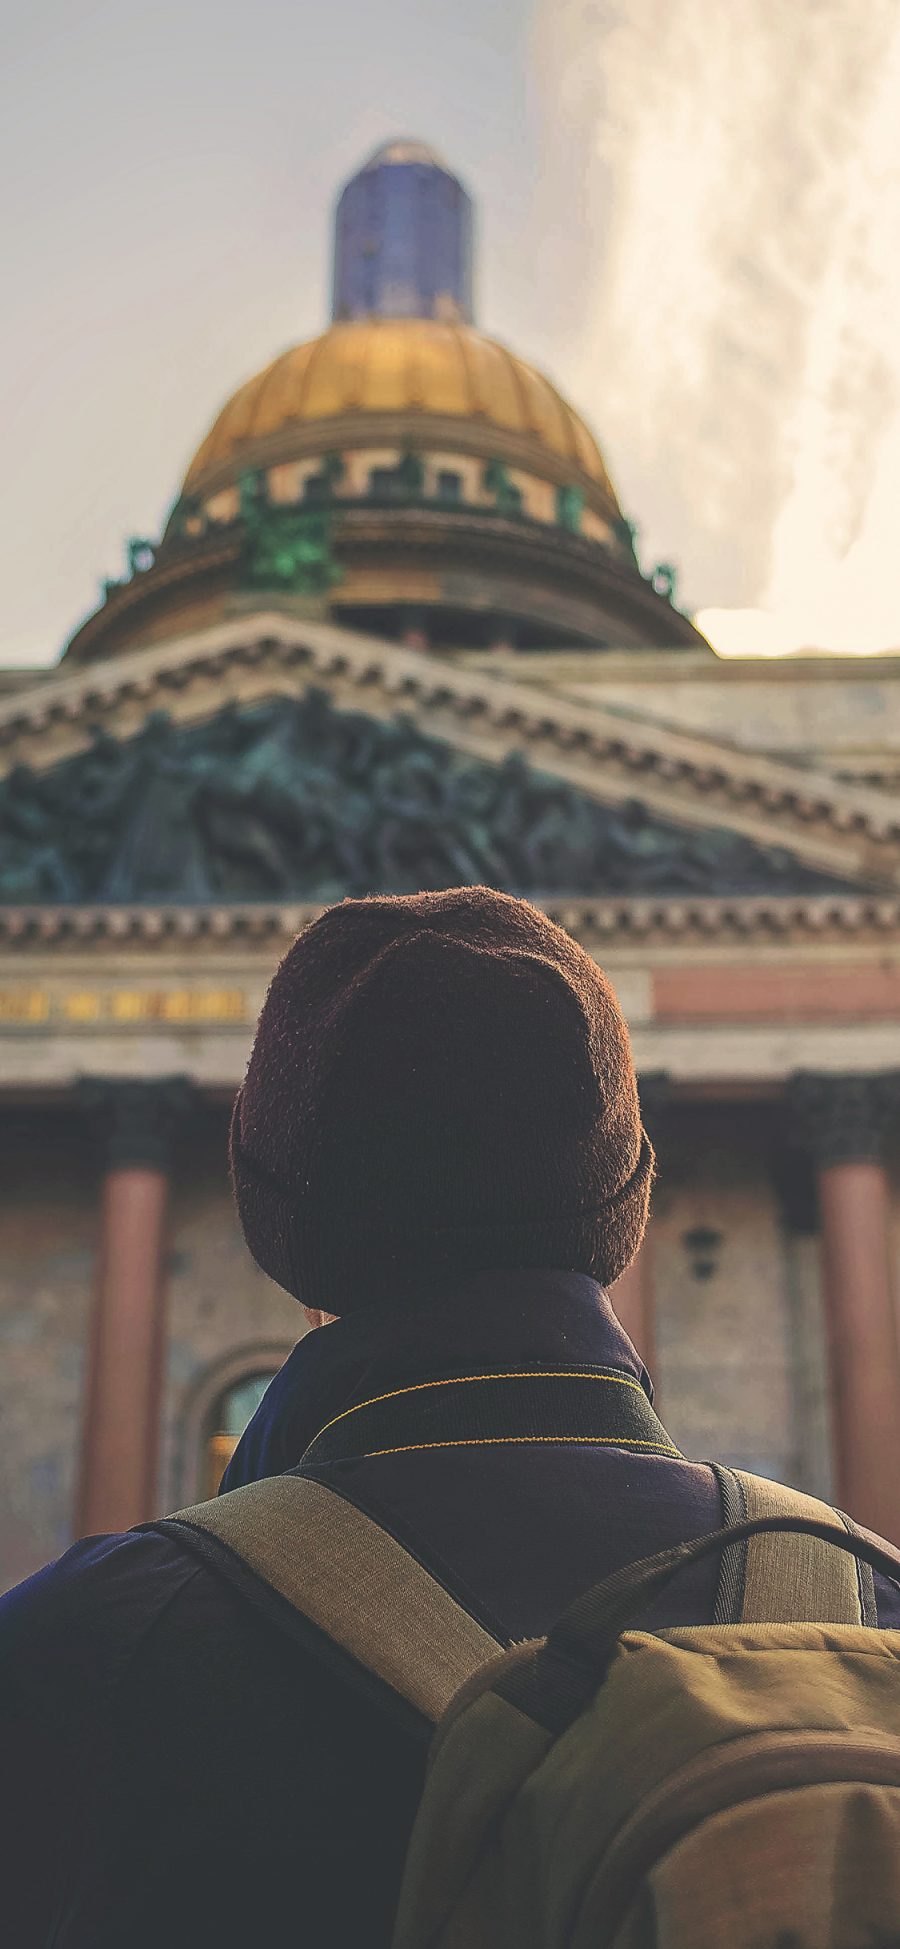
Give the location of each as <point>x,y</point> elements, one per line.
<point>464,1380</point>
<point>492,1441</point>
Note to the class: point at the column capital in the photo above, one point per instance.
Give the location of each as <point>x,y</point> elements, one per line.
<point>136,1119</point>
<point>843,1119</point>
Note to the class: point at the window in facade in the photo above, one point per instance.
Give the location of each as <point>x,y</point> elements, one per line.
<point>230,1415</point>
<point>383,484</point>
<point>405,482</point>
<point>321,486</point>
<point>449,486</point>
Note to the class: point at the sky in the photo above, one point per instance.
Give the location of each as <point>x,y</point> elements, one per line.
<point>693,228</point>
<point>739,309</point>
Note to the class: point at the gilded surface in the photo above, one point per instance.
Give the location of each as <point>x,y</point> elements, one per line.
<point>24,1006</point>
<point>401,365</point>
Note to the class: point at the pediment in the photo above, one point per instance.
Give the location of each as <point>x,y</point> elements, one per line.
<point>278,758</point>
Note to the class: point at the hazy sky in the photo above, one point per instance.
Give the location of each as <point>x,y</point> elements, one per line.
<point>739,318</point>
<point>694,228</point>
<point>168,174</point>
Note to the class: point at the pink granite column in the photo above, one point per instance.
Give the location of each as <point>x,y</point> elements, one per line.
<point>126,1353</point>
<point>632,1299</point>
<point>415,634</point>
<point>844,1119</point>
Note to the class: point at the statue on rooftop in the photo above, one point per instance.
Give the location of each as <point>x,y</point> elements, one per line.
<point>286,547</point>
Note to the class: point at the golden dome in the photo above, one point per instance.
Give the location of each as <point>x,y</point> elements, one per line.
<point>392,367</point>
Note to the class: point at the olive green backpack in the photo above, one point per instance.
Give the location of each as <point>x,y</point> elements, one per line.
<point>725,1786</point>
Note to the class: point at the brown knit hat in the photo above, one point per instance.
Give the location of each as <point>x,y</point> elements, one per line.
<point>441,1083</point>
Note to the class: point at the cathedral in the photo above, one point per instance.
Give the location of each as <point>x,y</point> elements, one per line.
<point>395,635</point>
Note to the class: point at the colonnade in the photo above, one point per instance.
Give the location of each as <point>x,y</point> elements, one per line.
<point>843,1121</point>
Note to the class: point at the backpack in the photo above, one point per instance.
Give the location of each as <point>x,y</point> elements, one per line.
<point>605,1787</point>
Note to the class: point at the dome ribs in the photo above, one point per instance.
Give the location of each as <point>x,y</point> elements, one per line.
<point>224,432</point>
<point>305,408</point>
<point>283,381</point>
<point>527,416</point>
<point>377,366</point>
<point>471,389</point>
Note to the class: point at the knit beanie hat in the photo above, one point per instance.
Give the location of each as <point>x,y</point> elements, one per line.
<point>441,1083</point>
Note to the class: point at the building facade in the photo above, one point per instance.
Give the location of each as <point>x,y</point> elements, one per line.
<point>395,635</point>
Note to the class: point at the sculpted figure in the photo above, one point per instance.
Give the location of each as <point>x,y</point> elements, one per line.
<point>294,797</point>
<point>160,854</point>
<point>285,547</point>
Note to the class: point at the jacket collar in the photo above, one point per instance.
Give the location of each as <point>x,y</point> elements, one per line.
<point>536,1318</point>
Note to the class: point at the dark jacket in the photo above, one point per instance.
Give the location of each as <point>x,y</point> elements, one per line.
<point>181,1767</point>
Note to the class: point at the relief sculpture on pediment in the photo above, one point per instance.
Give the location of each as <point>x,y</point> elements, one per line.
<point>296,798</point>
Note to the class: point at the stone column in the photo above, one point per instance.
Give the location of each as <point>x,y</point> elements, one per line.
<point>633,1296</point>
<point>843,1120</point>
<point>794,1184</point>
<point>136,1121</point>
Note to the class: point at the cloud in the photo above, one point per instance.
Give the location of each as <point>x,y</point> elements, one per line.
<point>738,345</point>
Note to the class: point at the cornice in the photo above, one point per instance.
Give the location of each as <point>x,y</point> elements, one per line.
<point>484,551</point>
<point>835,827</point>
<point>615,920</point>
<point>692,665</point>
<point>187,566</point>
<point>484,539</point>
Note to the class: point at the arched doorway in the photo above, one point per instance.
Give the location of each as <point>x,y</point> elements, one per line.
<point>232,1409</point>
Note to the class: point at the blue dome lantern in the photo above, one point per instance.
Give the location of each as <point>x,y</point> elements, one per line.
<point>403,239</point>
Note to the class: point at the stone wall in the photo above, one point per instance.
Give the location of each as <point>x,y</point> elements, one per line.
<point>842,712</point>
<point>844,723</point>
<point>741,1349</point>
<point>47,1240</point>
<point>226,1319</point>
<point>738,1312</point>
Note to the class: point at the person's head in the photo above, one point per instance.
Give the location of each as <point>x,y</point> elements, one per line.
<point>441,1084</point>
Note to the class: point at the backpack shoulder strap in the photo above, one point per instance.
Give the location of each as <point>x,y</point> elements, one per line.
<point>353,1580</point>
<point>791,1579</point>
